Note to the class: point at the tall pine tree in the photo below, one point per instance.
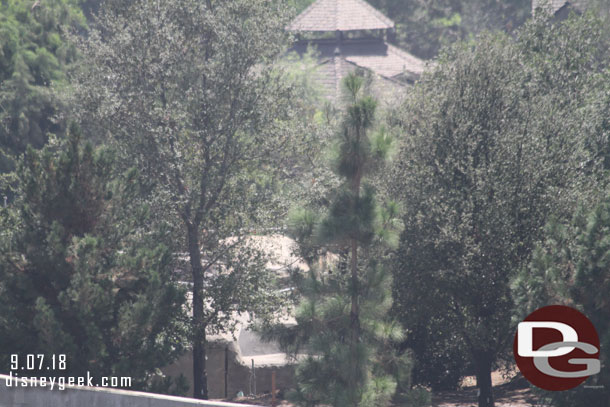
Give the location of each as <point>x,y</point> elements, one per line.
<point>342,321</point>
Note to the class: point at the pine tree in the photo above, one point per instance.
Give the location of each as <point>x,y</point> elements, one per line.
<point>33,59</point>
<point>342,319</point>
<point>79,273</point>
<point>570,266</point>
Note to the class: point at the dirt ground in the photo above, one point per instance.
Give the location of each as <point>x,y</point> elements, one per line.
<point>506,395</point>
<point>511,391</point>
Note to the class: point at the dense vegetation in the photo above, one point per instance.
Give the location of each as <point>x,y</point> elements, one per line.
<point>126,243</point>
<point>485,165</point>
<point>33,59</point>
<point>424,27</point>
<point>342,319</point>
<point>84,275</point>
<point>174,86</point>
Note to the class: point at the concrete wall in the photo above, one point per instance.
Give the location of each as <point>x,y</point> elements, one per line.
<point>92,397</point>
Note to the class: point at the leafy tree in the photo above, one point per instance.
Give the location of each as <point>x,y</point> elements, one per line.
<point>440,356</point>
<point>189,93</point>
<point>342,319</point>
<point>33,58</point>
<point>308,177</point>
<point>570,267</point>
<point>498,138</point>
<point>299,5</point>
<point>80,274</point>
<point>423,27</point>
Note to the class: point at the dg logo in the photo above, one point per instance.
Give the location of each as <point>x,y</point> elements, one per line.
<point>556,348</point>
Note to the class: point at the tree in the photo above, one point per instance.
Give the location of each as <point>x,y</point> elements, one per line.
<point>299,5</point>
<point>33,58</point>
<point>424,27</point>
<point>497,140</point>
<point>342,319</point>
<point>570,267</point>
<point>440,356</point>
<point>80,274</point>
<point>188,91</point>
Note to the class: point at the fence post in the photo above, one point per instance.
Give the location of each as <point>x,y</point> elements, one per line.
<point>254,377</point>
<point>273,388</point>
<point>226,372</point>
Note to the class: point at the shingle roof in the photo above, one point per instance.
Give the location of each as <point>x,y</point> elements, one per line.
<point>336,59</point>
<point>553,6</point>
<point>330,74</point>
<point>370,53</point>
<point>340,15</point>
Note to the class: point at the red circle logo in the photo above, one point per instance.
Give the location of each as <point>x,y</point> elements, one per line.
<point>556,348</point>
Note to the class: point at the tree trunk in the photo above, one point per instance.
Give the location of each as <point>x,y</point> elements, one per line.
<point>354,312</point>
<point>200,379</point>
<point>483,365</point>
<point>355,326</point>
<point>354,317</point>
<point>355,308</point>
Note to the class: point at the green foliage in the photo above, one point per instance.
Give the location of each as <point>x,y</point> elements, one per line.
<point>33,58</point>
<point>326,375</point>
<point>342,324</point>
<point>189,92</point>
<point>418,397</point>
<point>424,27</point>
<point>178,386</point>
<point>570,267</point>
<point>501,136</point>
<point>80,274</point>
<point>299,5</point>
<point>306,175</point>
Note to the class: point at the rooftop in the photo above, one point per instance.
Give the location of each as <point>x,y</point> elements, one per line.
<point>340,15</point>
<point>336,59</point>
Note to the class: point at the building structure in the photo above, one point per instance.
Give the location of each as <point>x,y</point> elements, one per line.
<point>349,35</point>
<point>239,361</point>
